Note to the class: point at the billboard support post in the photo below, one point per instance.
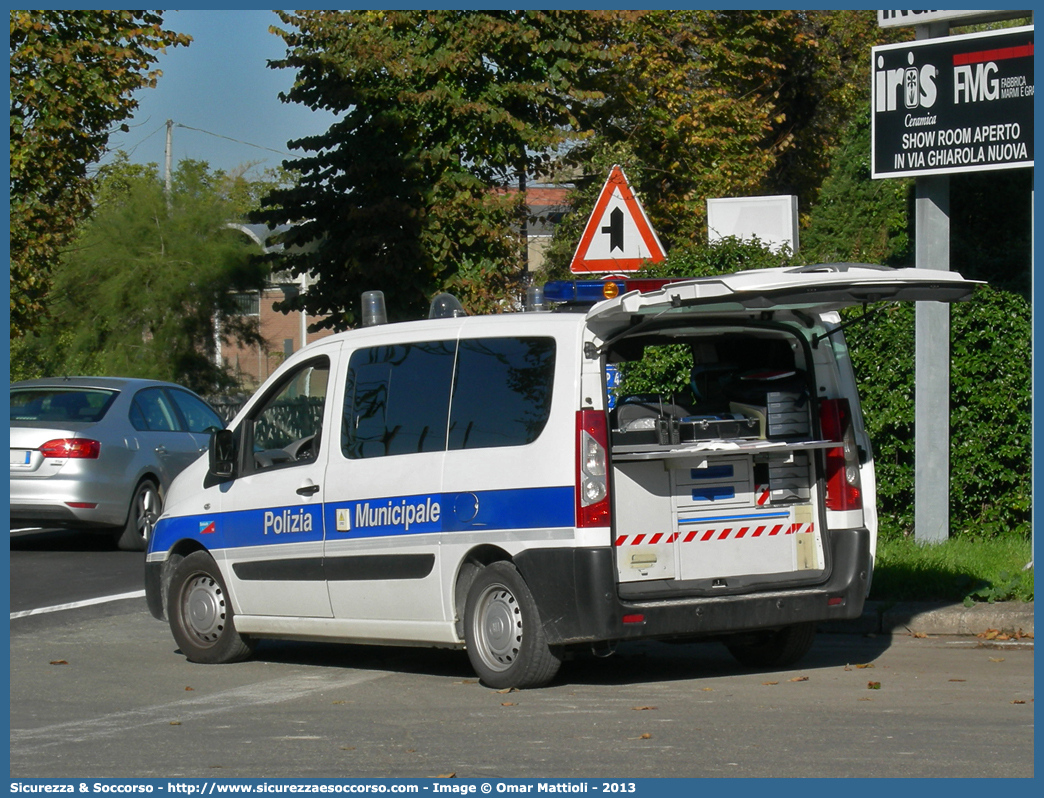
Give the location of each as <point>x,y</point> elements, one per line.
<point>932,355</point>
<point>932,368</point>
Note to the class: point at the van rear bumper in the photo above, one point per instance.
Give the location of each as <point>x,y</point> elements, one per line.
<point>576,592</point>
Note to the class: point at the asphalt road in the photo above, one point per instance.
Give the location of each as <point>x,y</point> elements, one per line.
<point>102,691</point>
<point>55,567</point>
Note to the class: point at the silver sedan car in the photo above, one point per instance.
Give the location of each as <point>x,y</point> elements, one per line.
<point>100,452</point>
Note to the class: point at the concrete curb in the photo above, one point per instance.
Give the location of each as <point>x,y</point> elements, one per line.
<point>936,618</point>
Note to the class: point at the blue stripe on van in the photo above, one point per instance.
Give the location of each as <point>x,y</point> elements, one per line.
<point>526,508</point>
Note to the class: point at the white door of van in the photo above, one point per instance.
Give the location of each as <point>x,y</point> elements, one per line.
<point>273,509</point>
<point>384,491</point>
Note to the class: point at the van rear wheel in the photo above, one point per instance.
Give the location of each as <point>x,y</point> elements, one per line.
<point>502,629</point>
<point>774,649</point>
<point>201,616</point>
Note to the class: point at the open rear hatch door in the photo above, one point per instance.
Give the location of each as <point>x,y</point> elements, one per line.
<point>817,288</point>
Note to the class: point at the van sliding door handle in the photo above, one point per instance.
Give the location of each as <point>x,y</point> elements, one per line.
<point>308,490</point>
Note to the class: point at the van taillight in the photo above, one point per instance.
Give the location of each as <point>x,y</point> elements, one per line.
<point>842,463</point>
<point>592,484</point>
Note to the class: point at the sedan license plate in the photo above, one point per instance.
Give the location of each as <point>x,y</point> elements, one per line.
<point>21,457</point>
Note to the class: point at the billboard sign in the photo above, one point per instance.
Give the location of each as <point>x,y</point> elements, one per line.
<point>953,104</point>
<point>898,19</point>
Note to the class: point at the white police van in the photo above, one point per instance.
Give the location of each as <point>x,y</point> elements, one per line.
<point>469,481</point>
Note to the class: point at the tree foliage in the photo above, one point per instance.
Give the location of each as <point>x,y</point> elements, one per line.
<point>73,74</point>
<point>438,110</point>
<point>718,104</point>
<point>138,292</point>
<point>857,219</point>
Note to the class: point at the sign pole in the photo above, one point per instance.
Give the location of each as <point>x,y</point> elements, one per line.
<point>932,355</point>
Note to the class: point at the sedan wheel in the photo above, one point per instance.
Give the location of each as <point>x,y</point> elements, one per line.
<point>145,510</point>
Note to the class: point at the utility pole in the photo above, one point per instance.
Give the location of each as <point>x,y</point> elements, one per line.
<point>166,162</point>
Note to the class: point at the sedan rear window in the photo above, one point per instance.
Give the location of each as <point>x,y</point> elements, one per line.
<point>60,404</point>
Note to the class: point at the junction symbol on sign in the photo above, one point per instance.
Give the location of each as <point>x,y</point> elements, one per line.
<point>618,236</point>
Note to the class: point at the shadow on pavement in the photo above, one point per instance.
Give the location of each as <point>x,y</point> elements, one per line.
<point>62,540</point>
<point>630,663</point>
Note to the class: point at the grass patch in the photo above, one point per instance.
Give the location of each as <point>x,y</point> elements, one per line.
<point>957,570</point>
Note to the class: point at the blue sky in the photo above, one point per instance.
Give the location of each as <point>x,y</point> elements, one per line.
<point>220,84</point>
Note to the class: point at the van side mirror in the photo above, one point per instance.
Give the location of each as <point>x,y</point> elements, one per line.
<point>222,451</point>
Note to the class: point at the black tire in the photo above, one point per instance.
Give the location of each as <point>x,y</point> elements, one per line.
<point>776,649</point>
<point>201,616</point>
<point>502,629</point>
<point>145,509</point>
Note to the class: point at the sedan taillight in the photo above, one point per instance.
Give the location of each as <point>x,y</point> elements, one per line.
<point>72,448</point>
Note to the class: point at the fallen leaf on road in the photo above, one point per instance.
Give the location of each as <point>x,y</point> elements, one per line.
<point>509,704</point>
<point>190,688</point>
<point>508,690</point>
<point>873,685</point>
<point>706,689</point>
<point>798,679</point>
<point>770,682</point>
<point>865,665</point>
<point>1018,701</point>
<point>996,659</point>
<point>59,662</point>
<point>640,709</point>
<point>645,736</point>
<point>447,776</point>
<point>918,634</point>
<point>347,747</point>
<point>175,723</point>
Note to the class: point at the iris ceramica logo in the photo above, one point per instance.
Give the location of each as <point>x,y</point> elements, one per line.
<point>908,87</point>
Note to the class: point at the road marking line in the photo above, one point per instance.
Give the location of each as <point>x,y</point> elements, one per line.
<point>77,604</point>
<point>27,741</point>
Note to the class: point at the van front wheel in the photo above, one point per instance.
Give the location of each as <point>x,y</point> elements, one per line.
<point>201,616</point>
<point>502,629</point>
<point>775,649</point>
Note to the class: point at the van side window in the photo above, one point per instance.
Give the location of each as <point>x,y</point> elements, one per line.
<point>502,392</point>
<point>397,399</point>
<point>287,429</point>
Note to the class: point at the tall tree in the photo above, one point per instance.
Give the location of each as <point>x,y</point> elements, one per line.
<point>73,74</point>
<point>721,103</point>
<point>438,110</point>
<point>140,289</point>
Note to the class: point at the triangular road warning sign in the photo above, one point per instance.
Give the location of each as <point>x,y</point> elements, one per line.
<point>618,236</point>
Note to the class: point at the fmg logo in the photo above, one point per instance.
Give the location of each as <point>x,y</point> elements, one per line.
<point>904,87</point>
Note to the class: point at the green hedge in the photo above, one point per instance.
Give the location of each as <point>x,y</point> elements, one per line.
<point>990,413</point>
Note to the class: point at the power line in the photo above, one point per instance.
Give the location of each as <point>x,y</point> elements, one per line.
<point>237,141</point>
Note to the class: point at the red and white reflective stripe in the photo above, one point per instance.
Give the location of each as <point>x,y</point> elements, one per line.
<point>763,495</point>
<point>724,533</point>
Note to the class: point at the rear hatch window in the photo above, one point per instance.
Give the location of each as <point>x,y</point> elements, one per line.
<point>31,405</point>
